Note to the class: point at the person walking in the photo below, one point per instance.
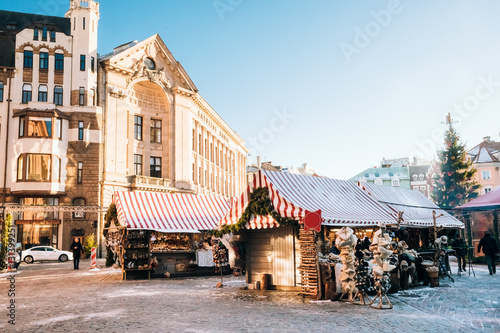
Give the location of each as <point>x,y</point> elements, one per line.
<point>77,249</point>
<point>460,250</point>
<point>490,248</point>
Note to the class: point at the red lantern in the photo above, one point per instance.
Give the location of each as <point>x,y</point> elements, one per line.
<point>312,220</point>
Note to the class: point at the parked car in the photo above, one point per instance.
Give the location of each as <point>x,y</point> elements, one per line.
<point>41,253</point>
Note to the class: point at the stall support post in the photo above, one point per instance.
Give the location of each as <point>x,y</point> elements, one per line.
<point>495,226</point>
<point>468,231</point>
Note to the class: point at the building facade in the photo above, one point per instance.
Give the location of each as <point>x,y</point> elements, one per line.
<point>486,159</point>
<point>393,172</point>
<point>76,128</point>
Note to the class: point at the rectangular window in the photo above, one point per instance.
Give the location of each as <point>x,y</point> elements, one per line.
<point>395,182</point>
<point>194,139</point>
<point>200,176</point>
<point>1,91</point>
<point>40,127</point>
<point>82,62</point>
<point>206,148</point>
<point>487,189</point>
<point>84,23</point>
<point>59,62</point>
<point>138,127</point>
<point>200,145</point>
<point>80,130</point>
<point>81,96</point>
<point>58,95</point>
<point>155,167</point>
<point>35,34</point>
<point>26,93</point>
<point>155,130</point>
<point>92,64</point>
<point>137,165</point>
<point>79,173</point>
<point>486,174</point>
<point>42,93</point>
<point>58,128</point>
<point>193,176</point>
<point>44,34</point>
<point>28,59</point>
<point>21,126</point>
<point>52,36</point>
<point>44,60</point>
<point>20,167</point>
<point>38,167</point>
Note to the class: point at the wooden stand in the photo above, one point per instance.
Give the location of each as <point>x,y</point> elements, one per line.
<point>346,297</point>
<point>381,297</point>
<point>361,298</point>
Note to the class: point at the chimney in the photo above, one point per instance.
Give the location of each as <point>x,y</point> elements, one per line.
<point>487,139</point>
<point>259,163</point>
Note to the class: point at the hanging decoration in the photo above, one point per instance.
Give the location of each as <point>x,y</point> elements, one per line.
<point>312,220</point>
<point>345,242</point>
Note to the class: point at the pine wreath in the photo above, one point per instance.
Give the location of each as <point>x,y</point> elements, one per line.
<point>259,204</point>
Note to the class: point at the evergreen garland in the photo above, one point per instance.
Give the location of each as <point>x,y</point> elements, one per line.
<point>5,241</point>
<point>259,204</point>
<point>455,185</point>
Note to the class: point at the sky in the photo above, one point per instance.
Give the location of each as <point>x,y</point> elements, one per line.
<point>338,85</point>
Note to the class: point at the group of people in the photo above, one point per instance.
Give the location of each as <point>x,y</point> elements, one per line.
<point>487,245</point>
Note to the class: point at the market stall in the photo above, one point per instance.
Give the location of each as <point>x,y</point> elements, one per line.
<point>275,205</point>
<point>481,215</point>
<point>165,234</point>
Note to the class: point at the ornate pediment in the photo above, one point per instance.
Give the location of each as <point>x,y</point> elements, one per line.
<point>158,76</point>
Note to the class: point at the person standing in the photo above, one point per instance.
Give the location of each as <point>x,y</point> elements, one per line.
<point>460,250</point>
<point>490,248</point>
<point>77,249</point>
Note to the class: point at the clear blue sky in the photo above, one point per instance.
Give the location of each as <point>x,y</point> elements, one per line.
<point>355,96</point>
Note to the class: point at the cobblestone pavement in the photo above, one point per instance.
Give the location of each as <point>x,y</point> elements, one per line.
<point>52,297</point>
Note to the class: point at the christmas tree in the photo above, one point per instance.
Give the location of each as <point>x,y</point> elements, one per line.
<point>455,185</point>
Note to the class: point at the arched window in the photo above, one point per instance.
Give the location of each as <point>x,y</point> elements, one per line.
<point>421,177</point>
<point>26,93</point>
<point>42,93</point>
<point>415,177</point>
<point>58,95</point>
<point>1,91</point>
<point>79,202</point>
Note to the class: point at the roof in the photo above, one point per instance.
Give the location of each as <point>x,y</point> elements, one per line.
<point>11,23</point>
<point>419,170</point>
<point>490,199</point>
<point>167,212</point>
<point>383,173</point>
<point>416,207</point>
<point>484,152</point>
<point>341,202</point>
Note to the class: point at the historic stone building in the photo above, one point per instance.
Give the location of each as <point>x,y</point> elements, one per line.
<point>76,127</point>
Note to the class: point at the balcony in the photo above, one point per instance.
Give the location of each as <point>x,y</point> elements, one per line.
<point>152,184</point>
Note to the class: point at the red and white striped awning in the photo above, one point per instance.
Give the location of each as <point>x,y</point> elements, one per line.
<point>167,212</point>
<point>416,207</point>
<point>342,203</point>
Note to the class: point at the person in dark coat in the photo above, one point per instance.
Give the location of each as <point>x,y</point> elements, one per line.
<point>77,249</point>
<point>460,250</point>
<point>490,248</point>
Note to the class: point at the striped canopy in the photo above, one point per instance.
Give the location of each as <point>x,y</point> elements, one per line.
<point>342,203</point>
<point>167,212</point>
<point>416,207</point>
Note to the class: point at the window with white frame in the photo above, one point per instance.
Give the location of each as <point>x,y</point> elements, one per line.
<point>487,189</point>
<point>395,182</point>
<point>486,174</point>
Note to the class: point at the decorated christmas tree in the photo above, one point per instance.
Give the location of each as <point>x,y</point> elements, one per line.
<point>455,184</point>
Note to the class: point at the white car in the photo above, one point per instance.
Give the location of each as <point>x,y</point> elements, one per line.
<point>40,253</point>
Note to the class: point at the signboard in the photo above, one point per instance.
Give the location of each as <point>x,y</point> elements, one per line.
<point>312,220</point>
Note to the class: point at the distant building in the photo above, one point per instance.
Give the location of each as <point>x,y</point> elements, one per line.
<point>419,178</point>
<point>393,172</point>
<point>269,166</point>
<point>486,159</point>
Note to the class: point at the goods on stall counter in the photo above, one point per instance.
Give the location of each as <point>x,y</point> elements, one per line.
<point>345,242</point>
<point>380,246</point>
<point>220,255</point>
<point>363,275</point>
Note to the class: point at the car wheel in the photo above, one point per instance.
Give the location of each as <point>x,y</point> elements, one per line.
<point>28,259</point>
<point>63,258</point>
